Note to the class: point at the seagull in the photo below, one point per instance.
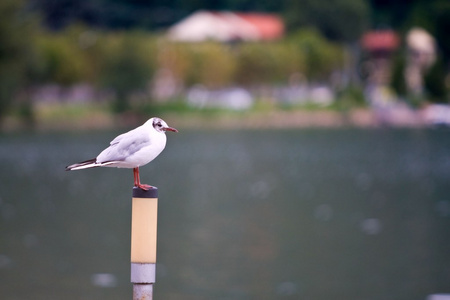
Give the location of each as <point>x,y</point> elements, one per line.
<point>132,149</point>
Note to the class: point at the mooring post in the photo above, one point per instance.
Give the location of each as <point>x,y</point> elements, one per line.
<point>144,222</point>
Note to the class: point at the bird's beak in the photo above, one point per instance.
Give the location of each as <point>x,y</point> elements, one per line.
<point>170,129</point>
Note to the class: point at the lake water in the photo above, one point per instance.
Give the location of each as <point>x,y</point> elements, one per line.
<point>289,214</point>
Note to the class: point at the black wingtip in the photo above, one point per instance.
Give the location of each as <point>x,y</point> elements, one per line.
<point>86,162</point>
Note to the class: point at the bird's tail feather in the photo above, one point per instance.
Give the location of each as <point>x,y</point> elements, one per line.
<point>91,163</point>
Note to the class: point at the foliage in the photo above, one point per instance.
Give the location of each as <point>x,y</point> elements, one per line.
<point>63,59</point>
<point>127,65</point>
<point>337,19</point>
<point>350,97</point>
<point>217,65</point>
<point>263,63</point>
<point>342,20</point>
<point>125,62</point>
<point>210,64</point>
<point>175,58</point>
<point>17,57</point>
<point>398,82</point>
<point>321,56</point>
<point>122,62</point>
<point>434,81</point>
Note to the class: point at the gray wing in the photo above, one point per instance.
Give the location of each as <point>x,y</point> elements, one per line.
<point>125,145</point>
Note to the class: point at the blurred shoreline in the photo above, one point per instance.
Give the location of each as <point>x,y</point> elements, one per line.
<point>298,119</point>
<point>276,119</point>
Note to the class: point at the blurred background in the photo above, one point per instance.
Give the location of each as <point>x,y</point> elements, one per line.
<point>312,162</point>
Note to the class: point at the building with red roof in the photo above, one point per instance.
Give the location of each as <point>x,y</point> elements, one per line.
<point>227,26</point>
<point>380,40</point>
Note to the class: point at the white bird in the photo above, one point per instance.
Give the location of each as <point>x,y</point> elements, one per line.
<point>132,149</point>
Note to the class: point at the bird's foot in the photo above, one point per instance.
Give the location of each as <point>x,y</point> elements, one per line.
<point>144,187</point>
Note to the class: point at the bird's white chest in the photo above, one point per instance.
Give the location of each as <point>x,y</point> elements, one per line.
<point>150,151</point>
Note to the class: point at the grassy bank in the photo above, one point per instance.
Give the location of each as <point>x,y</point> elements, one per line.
<point>76,117</point>
<point>58,117</point>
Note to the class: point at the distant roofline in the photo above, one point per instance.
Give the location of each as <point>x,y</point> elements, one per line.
<point>240,25</point>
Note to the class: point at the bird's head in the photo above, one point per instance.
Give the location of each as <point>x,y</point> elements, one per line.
<point>161,126</point>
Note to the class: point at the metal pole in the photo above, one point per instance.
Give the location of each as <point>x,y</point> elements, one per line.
<point>144,222</point>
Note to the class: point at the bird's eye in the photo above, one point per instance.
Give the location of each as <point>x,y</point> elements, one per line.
<point>159,124</point>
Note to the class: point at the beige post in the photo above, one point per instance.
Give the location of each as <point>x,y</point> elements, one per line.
<point>144,220</point>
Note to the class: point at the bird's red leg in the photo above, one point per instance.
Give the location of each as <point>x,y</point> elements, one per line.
<point>137,180</point>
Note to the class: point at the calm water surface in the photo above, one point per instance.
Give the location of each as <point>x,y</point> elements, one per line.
<point>295,214</point>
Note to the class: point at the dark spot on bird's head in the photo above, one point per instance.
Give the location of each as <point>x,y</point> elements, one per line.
<point>159,124</point>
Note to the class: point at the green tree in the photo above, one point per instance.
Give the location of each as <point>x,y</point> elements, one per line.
<point>128,65</point>
<point>17,64</point>
<point>268,63</point>
<point>211,64</point>
<point>434,81</point>
<point>63,60</point>
<point>321,56</point>
<point>342,20</point>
